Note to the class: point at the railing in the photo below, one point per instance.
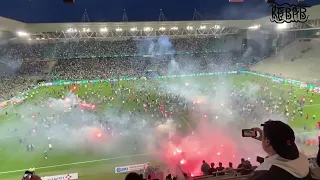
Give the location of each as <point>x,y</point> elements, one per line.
<point>228,174</point>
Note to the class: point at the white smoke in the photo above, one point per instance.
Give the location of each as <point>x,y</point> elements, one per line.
<point>169,127</point>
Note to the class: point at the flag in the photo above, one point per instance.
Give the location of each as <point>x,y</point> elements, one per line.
<point>270,1</point>
<point>68,1</point>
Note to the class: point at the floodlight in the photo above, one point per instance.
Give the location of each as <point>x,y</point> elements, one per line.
<point>86,29</point>
<point>22,34</point>
<point>147,29</point>
<point>103,30</point>
<point>70,30</point>
<point>282,26</point>
<point>202,27</point>
<point>118,30</point>
<point>217,27</point>
<point>174,28</point>
<point>254,27</point>
<point>162,29</point>
<point>134,29</point>
<point>189,27</point>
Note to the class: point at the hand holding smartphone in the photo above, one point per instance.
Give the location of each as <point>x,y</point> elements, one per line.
<point>260,159</point>
<point>249,133</point>
<point>255,133</point>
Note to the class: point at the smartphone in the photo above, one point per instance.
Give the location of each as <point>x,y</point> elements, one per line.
<point>260,159</point>
<point>249,133</point>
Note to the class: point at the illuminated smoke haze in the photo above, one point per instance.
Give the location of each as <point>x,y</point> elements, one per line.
<point>214,134</point>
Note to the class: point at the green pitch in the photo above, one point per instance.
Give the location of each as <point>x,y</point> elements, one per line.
<point>96,165</point>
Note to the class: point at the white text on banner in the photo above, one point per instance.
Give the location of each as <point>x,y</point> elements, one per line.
<point>130,168</point>
<point>70,176</point>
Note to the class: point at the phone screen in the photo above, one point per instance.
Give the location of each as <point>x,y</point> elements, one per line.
<point>249,133</point>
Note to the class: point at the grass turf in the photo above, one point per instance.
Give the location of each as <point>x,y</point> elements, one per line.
<point>93,166</point>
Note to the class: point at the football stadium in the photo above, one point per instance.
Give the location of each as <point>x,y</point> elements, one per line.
<point>163,99</point>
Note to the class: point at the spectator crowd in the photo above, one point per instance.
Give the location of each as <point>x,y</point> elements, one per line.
<point>21,64</point>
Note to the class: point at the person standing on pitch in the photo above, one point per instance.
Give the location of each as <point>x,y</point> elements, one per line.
<point>45,153</point>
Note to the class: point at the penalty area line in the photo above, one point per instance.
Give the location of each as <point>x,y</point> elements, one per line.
<point>76,163</point>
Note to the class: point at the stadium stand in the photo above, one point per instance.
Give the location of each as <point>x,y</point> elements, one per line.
<point>300,64</point>
<point>104,48</point>
<point>121,58</point>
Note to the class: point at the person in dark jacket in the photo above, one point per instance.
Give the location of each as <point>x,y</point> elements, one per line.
<point>220,168</point>
<point>212,169</point>
<point>205,168</point>
<point>284,161</point>
<point>241,164</point>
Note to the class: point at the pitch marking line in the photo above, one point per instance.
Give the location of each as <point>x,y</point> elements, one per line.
<point>76,163</point>
<point>310,105</point>
<point>187,123</point>
<point>7,137</point>
<point>13,116</point>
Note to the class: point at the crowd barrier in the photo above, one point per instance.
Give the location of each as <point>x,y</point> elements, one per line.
<point>227,174</point>
<point>235,174</point>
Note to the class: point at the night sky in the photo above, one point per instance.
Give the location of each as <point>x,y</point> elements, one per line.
<point>137,10</point>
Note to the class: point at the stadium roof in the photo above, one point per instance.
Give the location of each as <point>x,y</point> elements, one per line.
<point>138,29</point>
<point>96,26</point>
<point>10,25</point>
